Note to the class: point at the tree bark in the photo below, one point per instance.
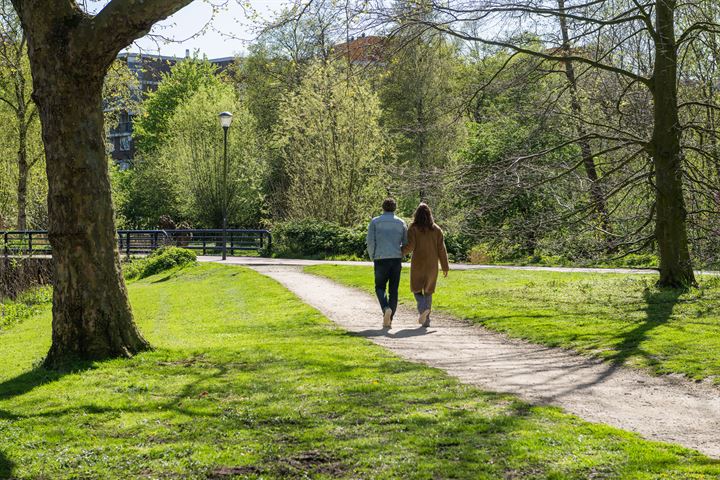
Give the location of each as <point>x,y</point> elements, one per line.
<point>23,172</point>
<point>70,52</point>
<point>671,217</point>
<point>92,318</point>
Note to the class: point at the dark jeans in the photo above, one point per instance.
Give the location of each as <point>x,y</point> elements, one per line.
<point>387,273</point>
<point>424,302</point>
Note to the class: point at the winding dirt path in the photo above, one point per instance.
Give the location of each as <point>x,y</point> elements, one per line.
<point>659,408</point>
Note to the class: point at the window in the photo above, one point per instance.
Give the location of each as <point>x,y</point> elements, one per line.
<point>125,144</point>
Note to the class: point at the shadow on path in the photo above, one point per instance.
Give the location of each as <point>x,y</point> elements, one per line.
<point>659,306</point>
<point>383,332</point>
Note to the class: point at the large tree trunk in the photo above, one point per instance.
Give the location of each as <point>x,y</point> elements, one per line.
<point>92,318</point>
<point>91,312</point>
<point>670,228</point>
<point>70,52</point>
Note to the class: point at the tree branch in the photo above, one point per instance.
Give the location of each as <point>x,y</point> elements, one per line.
<point>547,56</point>
<point>123,21</point>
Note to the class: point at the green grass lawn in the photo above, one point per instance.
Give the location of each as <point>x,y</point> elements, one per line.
<point>248,382</point>
<point>621,318</point>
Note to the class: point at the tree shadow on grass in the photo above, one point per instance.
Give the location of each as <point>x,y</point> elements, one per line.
<point>38,376</point>
<point>6,466</point>
<point>659,306</point>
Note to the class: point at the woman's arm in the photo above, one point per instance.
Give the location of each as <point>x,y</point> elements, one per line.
<point>442,253</point>
<point>410,243</point>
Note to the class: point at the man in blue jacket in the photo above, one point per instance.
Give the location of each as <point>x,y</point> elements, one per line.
<point>386,236</point>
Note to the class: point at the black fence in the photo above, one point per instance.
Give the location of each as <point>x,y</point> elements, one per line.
<point>143,242</point>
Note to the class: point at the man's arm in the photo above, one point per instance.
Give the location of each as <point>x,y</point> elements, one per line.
<point>371,240</point>
<point>409,246</point>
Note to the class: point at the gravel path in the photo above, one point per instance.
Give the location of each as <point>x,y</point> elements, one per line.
<point>659,408</point>
<point>263,261</point>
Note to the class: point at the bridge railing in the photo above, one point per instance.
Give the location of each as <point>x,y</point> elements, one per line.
<point>143,242</point>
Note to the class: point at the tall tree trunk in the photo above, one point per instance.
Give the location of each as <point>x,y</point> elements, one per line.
<point>671,222</point>
<point>91,312</point>
<point>23,172</point>
<point>70,52</point>
<point>92,318</point>
<point>588,158</point>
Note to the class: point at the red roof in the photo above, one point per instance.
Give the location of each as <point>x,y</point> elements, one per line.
<point>369,49</point>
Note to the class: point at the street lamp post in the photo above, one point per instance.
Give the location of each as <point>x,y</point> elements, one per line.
<point>225,122</point>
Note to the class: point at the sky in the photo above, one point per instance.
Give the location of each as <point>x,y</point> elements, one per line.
<point>228,34</point>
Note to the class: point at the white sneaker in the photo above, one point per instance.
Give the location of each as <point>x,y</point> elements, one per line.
<point>387,318</point>
<point>423,319</point>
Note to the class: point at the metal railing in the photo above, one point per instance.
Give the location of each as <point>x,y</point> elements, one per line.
<point>143,242</point>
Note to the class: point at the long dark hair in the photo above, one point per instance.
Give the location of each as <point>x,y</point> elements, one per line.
<point>423,219</point>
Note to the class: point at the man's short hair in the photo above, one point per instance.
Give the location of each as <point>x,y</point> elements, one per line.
<point>389,205</point>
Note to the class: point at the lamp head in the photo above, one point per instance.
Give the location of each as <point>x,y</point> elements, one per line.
<point>225,119</point>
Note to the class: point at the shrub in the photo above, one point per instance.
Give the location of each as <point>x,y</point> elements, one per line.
<point>164,258</point>
<point>316,239</point>
<point>458,246</point>
<point>480,254</point>
<point>28,303</point>
<point>327,240</point>
<point>637,260</point>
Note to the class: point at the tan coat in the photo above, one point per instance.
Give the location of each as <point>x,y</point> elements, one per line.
<point>428,248</point>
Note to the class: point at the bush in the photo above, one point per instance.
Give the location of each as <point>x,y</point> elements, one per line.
<point>637,260</point>
<point>458,246</point>
<point>160,260</point>
<point>316,239</point>
<point>29,302</point>
<point>326,240</point>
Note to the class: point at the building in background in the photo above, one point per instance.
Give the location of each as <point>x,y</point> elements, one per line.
<point>365,50</point>
<point>149,70</point>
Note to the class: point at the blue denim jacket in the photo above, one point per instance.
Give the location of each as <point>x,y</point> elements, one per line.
<point>386,236</point>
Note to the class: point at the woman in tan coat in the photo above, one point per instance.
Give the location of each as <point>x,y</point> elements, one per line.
<point>427,244</point>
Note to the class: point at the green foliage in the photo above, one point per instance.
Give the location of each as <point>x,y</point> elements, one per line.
<point>328,240</point>
<point>263,78</point>
<point>636,260</point>
<point>318,239</point>
<point>184,79</point>
<point>458,246</point>
<point>420,90</point>
<point>162,259</point>
<point>148,191</point>
<point>507,200</point>
<point>195,151</point>
<point>184,178</point>
<point>27,304</point>
<point>248,381</point>
<point>333,147</point>
<point>20,137</point>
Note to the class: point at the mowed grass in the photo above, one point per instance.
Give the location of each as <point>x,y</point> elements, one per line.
<point>623,319</point>
<point>248,382</point>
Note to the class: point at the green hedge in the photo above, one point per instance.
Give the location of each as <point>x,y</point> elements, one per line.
<point>160,260</point>
<point>28,303</point>
<point>315,239</point>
